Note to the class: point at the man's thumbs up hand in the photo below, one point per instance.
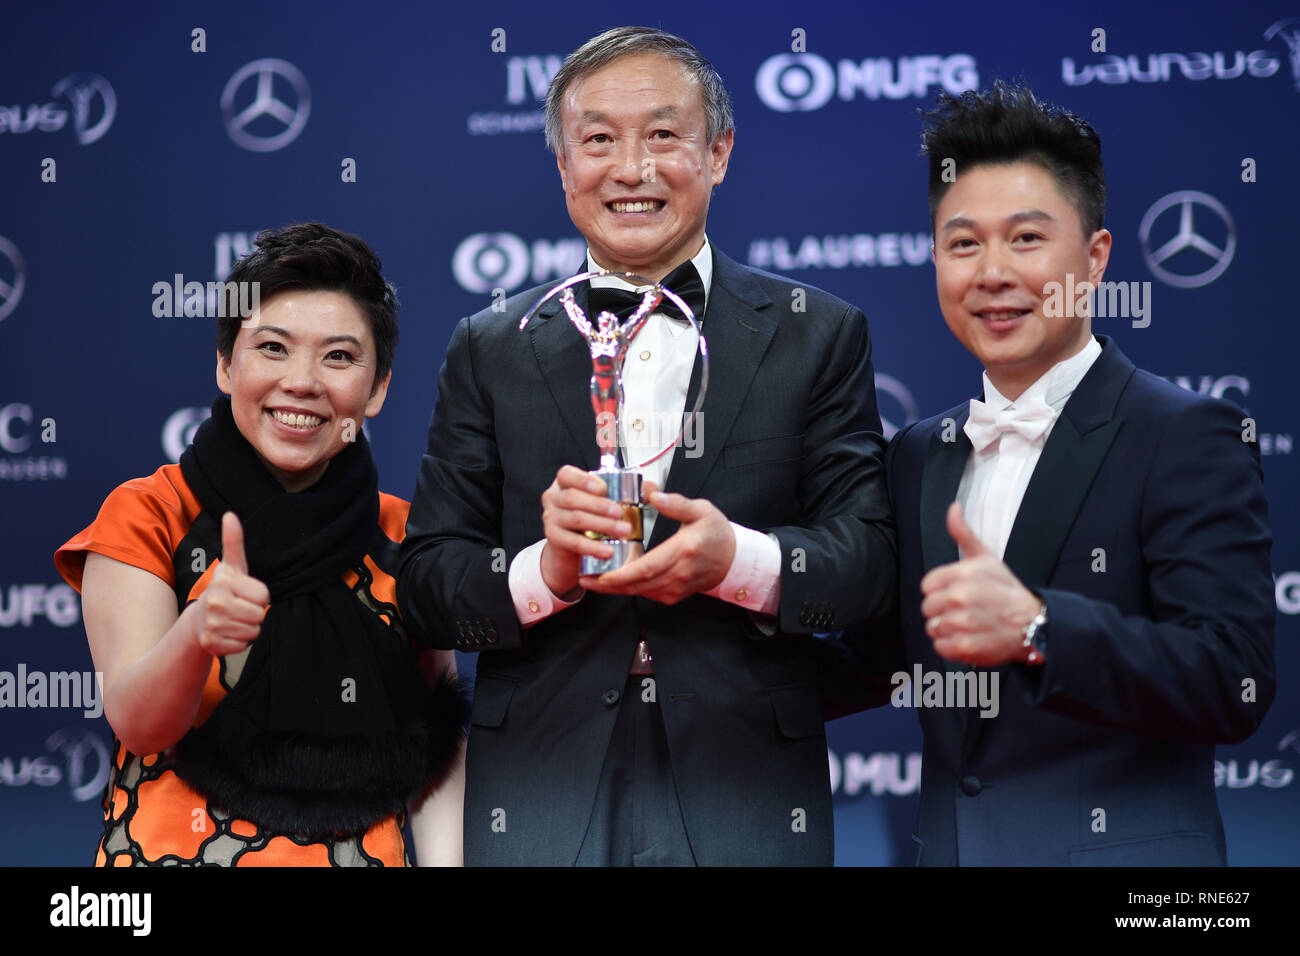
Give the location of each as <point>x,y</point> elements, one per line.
<point>968,543</point>
<point>976,609</point>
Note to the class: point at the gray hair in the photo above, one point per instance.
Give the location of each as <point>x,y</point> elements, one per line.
<point>599,52</point>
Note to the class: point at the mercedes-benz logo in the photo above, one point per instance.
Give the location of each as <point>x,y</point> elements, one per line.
<point>266,104</point>
<point>13,276</point>
<point>1188,239</point>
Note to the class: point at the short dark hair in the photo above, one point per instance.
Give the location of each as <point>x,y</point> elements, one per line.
<point>313,257</point>
<point>1007,125</point>
<point>600,51</point>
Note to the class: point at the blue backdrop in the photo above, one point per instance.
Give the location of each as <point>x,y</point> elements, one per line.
<point>129,155</point>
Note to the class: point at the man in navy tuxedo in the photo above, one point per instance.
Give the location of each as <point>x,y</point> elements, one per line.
<point>1089,542</point>
<point>667,712</point>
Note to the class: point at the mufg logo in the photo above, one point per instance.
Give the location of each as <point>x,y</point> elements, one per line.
<point>179,428</point>
<point>501,260</point>
<point>794,82</point>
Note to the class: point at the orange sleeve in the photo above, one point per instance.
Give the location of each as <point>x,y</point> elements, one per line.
<point>140,523</point>
<point>392,516</point>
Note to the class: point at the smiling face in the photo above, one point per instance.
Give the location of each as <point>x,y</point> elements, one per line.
<point>1002,234</point>
<point>636,164</point>
<point>301,379</point>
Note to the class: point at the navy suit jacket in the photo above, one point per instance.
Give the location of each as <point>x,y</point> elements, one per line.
<point>1144,529</point>
<point>791,444</point>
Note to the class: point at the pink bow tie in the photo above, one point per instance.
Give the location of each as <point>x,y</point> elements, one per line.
<point>1030,418</point>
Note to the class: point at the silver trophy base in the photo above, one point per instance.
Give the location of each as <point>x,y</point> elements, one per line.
<point>624,551</point>
<point>624,487</point>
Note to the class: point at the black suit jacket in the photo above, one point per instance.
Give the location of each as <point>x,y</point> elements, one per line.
<point>1144,529</point>
<point>790,444</point>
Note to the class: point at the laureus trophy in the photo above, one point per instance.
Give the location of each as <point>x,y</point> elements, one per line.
<point>608,339</point>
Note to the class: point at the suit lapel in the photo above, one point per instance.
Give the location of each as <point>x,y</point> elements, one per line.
<point>1053,498</point>
<point>1064,473</point>
<point>945,461</point>
<point>565,362</point>
<point>738,328</point>
<point>944,464</point>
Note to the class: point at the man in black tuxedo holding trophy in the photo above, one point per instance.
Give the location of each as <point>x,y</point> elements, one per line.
<point>667,712</point>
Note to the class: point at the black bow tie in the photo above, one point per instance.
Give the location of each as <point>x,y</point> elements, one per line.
<point>684,281</point>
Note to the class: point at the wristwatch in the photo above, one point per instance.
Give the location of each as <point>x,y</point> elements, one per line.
<point>1035,637</point>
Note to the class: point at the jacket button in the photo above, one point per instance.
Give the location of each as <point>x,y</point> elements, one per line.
<point>491,635</point>
<point>609,698</point>
<point>971,786</point>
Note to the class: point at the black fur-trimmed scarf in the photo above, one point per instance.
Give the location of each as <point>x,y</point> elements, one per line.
<point>330,726</point>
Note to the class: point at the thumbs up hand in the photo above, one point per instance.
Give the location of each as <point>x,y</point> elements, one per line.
<point>968,543</point>
<point>230,611</point>
<point>975,609</point>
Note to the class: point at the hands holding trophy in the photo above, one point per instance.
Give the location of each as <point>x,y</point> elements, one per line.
<point>608,338</point>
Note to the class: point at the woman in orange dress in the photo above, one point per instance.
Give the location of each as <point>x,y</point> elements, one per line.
<point>268,705</point>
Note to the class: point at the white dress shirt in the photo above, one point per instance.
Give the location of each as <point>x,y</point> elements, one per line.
<point>656,376</point>
<point>994,481</point>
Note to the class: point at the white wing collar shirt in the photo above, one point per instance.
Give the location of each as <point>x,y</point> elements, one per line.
<point>1007,439</point>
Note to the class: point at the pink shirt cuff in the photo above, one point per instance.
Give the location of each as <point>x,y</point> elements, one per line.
<point>754,578</point>
<point>533,599</point>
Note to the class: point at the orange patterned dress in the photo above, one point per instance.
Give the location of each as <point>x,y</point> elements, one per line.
<point>151,816</point>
